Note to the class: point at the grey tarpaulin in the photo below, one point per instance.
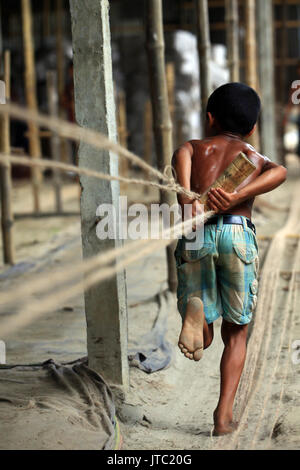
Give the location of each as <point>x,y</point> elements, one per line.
<point>55,406</point>
<point>153,352</point>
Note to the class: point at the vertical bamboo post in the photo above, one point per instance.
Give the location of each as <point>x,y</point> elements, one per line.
<point>179,132</point>
<point>60,66</point>
<point>1,37</point>
<point>283,53</point>
<point>283,94</point>
<point>59,52</point>
<point>7,218</point>
<point>251,59</point>
<point>162,124</point>
<point>31,100</point>
<point>122,133</point>
<point>204,52</point>
<point>232,38</point>
<point>46,18</point>
<point>148,132</point>
<point>267,79</point>
<point>170,76</point>
<point>148,136</point>
<point>55,142</point>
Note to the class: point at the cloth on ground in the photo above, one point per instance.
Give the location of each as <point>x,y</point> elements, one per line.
<point>55,406</point>
<point>153,352</point>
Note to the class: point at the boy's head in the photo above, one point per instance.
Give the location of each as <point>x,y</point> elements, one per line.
<point>235,107</point>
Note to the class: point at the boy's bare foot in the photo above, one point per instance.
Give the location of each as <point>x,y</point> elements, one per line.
<point>191,337</point>
<point>222,430</point>
<point>223,427</point>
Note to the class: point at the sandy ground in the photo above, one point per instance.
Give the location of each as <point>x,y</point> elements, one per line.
<point>170,409</point>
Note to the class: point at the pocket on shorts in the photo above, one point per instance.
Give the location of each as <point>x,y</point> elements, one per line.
<point>253,295</point>
<point>248,254</point>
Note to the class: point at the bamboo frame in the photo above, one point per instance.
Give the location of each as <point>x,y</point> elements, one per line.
<point>54,139</point>
<point>204,52</point>
<point>251,58</point>
<point>122,133</point>
<point>267,78</point>
<point>232,38</point>
<point>31,100</point>
<point>170,76</point>
<point>7,218</point>
<point>162,124</point>
<point>148,136</point>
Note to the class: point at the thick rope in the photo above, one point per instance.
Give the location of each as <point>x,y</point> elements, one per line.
<point>45,163</point>
<point>76,133</point>
<point>93,275</point>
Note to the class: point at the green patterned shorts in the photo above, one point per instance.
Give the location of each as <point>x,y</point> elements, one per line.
<point>223,272</point>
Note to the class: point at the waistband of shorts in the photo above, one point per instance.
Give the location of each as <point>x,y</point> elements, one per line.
<point>231,220</point>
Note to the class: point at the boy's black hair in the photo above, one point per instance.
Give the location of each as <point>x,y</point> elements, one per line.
<point>236,107</point>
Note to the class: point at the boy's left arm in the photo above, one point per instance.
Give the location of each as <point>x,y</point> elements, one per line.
<point>271,177</point>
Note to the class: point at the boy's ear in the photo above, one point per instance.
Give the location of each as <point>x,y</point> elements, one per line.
<point>252,132</point>
<point>210,120</point>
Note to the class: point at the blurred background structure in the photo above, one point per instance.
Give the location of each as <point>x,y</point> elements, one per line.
<point>52,42</point>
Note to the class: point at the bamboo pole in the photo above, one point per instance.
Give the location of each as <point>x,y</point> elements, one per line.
<point>170,76</point>
<point>179,132</point>
<point>283,54</point>
<point>60,66</point>
<point>204,52</point>
<point>267,79</point>
<point>251,59</point>
<point>31,100</point>
<point>148,132</point>
<point>283,93</point>
<point>54,140</point>
<point>148,136</point>
<point>7,218</point>
<point>122,133</point>
<point>162,124</point>
<point>1,39</point>
<point>232,38</point>
<point>46,18</point>
<point>59,52</point>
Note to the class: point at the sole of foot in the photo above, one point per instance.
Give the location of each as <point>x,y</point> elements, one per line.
<point>224,430</point>
<point>191,337</point>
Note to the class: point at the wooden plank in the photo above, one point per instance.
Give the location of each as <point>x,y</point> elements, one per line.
<point>234,175</point>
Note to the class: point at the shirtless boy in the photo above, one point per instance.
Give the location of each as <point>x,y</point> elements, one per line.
<point>220,279</point>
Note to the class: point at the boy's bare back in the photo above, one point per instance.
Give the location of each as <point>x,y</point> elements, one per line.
<point>211,156</point>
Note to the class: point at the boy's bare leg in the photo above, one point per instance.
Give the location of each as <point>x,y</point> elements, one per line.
<point>232,364</point>
<point>195,335</point>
